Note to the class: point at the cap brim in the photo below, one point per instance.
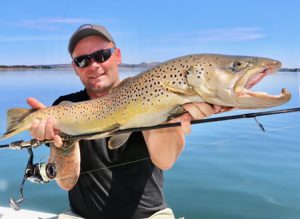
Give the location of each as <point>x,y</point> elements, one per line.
<point>82,34</point>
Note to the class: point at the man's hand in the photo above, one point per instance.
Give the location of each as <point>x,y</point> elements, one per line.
<point>197,111</point>
<point>43,129</point>
<point>173,139</point>
<point>67,159</point>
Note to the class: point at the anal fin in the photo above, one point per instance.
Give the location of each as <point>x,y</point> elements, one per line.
<point>118,140</point>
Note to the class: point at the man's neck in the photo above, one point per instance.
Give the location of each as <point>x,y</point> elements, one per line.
<point>95,95</point>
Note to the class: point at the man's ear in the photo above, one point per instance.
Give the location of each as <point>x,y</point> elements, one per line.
<point>118,55</point>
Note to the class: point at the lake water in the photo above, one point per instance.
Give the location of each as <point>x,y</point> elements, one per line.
<point>228,169</point>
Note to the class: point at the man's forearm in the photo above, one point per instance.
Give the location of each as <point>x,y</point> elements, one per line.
<point>67,161</point>
<point>165,146</point>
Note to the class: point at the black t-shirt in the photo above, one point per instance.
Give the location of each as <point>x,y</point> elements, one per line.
<point>121,183</point>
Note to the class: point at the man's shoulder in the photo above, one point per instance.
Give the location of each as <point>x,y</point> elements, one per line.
<point>73,97</point>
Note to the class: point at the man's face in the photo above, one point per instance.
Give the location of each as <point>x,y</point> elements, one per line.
<point>97,77</point>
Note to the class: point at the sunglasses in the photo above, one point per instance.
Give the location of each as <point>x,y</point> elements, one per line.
<point>99,56</point>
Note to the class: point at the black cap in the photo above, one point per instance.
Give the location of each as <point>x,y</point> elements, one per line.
<point>88,30</point>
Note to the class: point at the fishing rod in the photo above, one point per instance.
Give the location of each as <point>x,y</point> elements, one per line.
<point>33,143</point>
<point>44,172</point>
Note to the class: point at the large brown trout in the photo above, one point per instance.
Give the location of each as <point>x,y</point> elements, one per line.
<point>155,95</point>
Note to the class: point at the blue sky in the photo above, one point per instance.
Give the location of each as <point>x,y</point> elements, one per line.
<point>37,32</point>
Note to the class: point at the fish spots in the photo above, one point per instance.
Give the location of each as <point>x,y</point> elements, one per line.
<point>140,92</point>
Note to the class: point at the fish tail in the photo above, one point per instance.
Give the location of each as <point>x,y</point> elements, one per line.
<point>16,121</point>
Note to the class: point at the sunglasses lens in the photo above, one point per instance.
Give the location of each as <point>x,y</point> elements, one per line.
<point>102,55</point>
<point>82,62</point>
<point>99,56</point>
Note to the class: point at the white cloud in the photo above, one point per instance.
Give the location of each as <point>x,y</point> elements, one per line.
<point>58,20</point>
<point>51,23</point>
<point>233,34</point>
<point>230,34</point>
<point>32,38</point>
<point>54,23</point>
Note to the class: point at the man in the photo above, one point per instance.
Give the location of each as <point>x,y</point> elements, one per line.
<point>103,183</point>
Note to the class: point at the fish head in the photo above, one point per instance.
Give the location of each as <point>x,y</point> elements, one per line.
<point>227,80</point>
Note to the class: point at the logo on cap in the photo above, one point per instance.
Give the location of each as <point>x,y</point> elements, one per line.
<point>85,26</point>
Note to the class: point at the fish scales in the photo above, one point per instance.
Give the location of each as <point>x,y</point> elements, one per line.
<point>151,97</point>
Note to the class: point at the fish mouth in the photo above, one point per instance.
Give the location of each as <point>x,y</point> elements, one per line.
<point>255,78</point>
<point>251,99</point>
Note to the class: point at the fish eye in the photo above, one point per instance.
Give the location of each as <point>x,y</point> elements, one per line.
<point>237,65</point>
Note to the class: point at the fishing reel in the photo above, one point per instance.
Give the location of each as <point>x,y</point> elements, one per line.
<point>35,173</point>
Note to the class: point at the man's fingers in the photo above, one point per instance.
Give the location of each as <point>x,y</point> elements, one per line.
<point>225,109</point>
<point>205,108</point>
<point>185,121</point>
<point>39,132</point>
<point>197,111</point>
<point>57,141</point>
<point>186,124</point>
<point>43,129</point>
<point>217,108</point>
<point>193,111</point>
<point>49,128</point>
<point>33,127</point>
<point>34,103</point>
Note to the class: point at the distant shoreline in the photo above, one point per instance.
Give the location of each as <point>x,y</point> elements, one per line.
<point>69,66</point>
<point>143,65</point>
<point>290,69</point>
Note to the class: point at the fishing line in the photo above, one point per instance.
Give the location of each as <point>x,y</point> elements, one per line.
<point>161,155</point>
<point>234,138</point>
<point>299,92</point>
<point>189,148</point>
<point>285,127</point>
<point>117,165</point>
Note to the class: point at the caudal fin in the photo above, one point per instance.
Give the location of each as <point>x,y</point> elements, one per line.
<point>16,121</point>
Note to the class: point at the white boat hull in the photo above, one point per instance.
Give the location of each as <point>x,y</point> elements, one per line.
<point>8,213</point>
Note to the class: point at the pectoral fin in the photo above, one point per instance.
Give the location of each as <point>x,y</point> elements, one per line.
<point>176,112</point>
<point>118,140</point>
<point>178,90</point>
